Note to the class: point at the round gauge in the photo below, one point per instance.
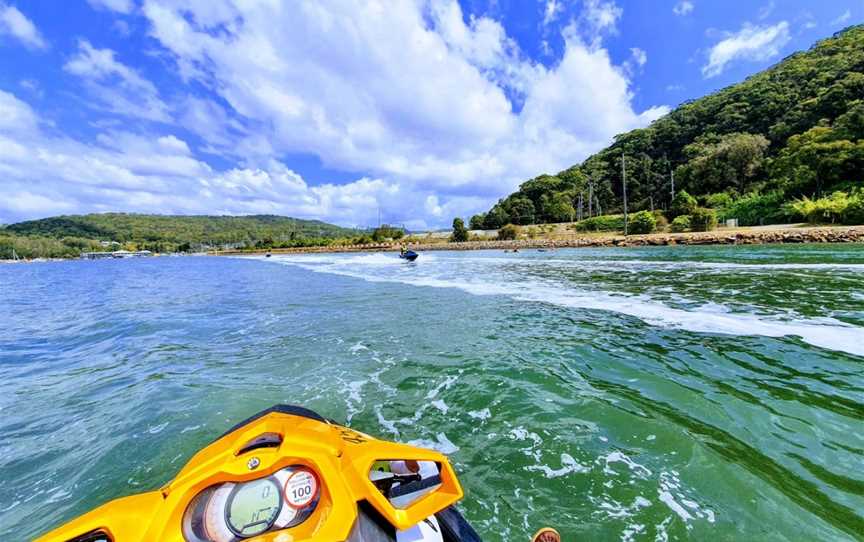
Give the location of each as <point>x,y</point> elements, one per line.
<point>253,507</point>
<point>301,488</point>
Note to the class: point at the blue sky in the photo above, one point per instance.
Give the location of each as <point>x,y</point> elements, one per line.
<point>420,109</point>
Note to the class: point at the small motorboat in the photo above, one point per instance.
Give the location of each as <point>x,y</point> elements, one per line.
<point>409,255</point>
<point>288,473</point>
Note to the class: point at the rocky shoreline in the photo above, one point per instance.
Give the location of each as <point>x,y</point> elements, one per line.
<point>755,236</point>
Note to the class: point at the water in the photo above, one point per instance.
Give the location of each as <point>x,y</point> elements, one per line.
<point>704,393</point>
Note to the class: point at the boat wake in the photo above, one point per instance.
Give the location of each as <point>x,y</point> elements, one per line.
<point>514,278</point>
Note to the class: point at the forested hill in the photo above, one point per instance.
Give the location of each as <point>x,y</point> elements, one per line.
<point>793,130</point>
<point>141,228</point>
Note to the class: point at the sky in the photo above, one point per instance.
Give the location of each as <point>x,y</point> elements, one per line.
<point>416,111</point>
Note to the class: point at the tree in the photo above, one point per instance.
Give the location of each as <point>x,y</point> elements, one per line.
<point>521,211</point>
<point>716,163</point>
<point>558,207</point>
<point>477,222</point>
<point>682,204</point>
<point>460,233</point>
<point>496,217</point>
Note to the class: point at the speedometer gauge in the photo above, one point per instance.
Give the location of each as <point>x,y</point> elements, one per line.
<point>253,507</point>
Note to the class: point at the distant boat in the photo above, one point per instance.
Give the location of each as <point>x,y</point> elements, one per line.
<point>409,255</point>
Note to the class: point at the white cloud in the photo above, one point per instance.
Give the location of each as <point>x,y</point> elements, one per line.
<point>753,43</point>
<point>45,175</point>
<point>15,115</point>
<point>640,57</point>
<point>120,88</point>
<point>121,6</point>
<point>766,10</point>
<point>599,17</point>
<point>441,113</point>
<point>551,10</point>
<point>683,8</point>
<point>842,19</point>
<point>15,24</point>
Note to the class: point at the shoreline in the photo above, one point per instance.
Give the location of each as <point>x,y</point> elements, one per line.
<point>756,235</point>
<point>738,236</point>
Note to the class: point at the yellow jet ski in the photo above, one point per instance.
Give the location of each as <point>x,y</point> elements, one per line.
<point>290,475</point>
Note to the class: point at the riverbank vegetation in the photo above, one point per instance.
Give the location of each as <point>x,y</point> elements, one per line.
<point>764,151</point>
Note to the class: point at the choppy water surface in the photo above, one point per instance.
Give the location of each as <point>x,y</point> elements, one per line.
<point>705,393</point>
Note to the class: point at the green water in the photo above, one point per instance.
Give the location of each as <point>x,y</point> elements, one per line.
<point>676,393</point>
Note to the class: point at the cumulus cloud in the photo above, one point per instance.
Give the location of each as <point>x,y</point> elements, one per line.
<point>683,8</point>
<point>45,174</point>
<point>753,43</point>
<point>120,6</point>
<point>14,23</point>
<point>440,113</point>
<point>120,88</point>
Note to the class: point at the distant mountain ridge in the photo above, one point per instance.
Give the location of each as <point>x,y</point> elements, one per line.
<point>177,229</point>
<point>793,130</point>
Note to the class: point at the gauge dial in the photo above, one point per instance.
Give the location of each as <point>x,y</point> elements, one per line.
<point>253,507</point>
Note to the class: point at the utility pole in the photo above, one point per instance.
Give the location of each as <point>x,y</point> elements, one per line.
<point>590,196</point>
<point>579,210</point>
<point>672,181</point>
<point>624,189</point>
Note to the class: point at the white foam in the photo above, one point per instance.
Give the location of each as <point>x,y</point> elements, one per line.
<point>568,466</point>
<point>154,429</point>
<point>620,457</point>
<point>667,499</point>
<point>358,348</point>
<point>481,415</point>
<point>442,444</point>
<point>441,405</point>
<point>825,333</point>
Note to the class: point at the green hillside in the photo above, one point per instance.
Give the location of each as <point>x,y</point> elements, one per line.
<point>793,131</point>
<point>68,236</point>
<point>124,227</point>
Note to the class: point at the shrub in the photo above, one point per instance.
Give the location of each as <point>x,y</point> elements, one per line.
<point>839,207</point>
<point>601,223</point>
<point>680,224</point>
<point>682,204</point>
<point>702,219</point>
<point>460,232</point>
<point>855,211</point>
<point>642,222</point>
<point>508,232</point>
<point>660,220</point>
<point>754,209</point>
<point>718,201</point>
<point>532,232</point>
